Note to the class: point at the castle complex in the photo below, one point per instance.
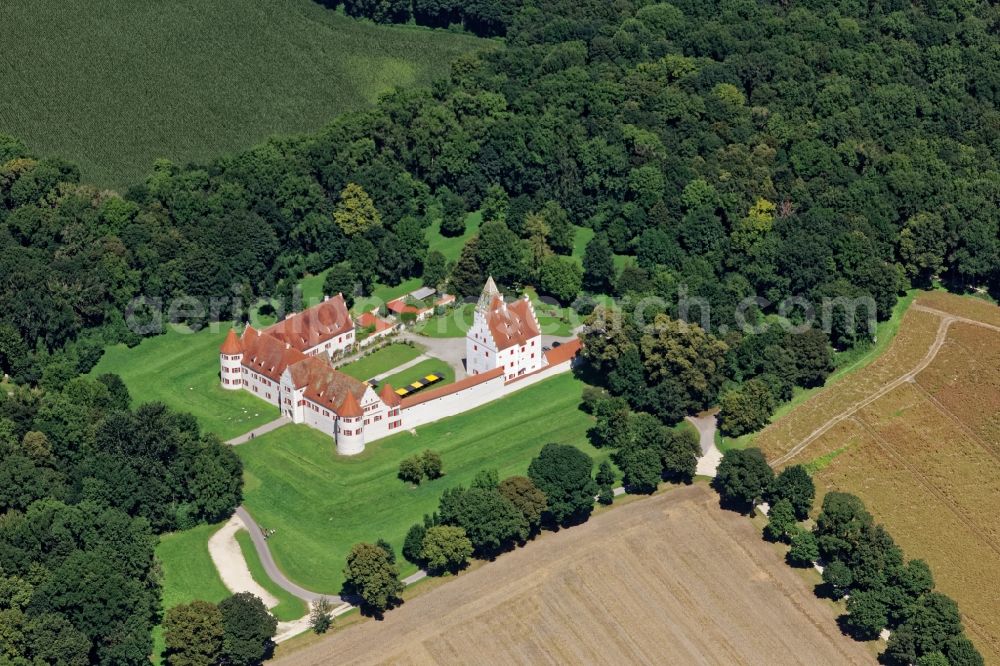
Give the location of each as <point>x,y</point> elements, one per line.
<point>289,365</point>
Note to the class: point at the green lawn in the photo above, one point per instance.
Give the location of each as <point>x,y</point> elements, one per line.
<point>321,504</point>
<point>432,365</point>
<point>453,324</point>
<point>383,360</point>
<point>181,370</point>
<point>188,573</point>
<point>451,247</point>
<point>580,240</point>
<point>117,84</point>
<point>289,606</point>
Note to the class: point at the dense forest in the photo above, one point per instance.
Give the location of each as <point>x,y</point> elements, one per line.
<point>736,148</point>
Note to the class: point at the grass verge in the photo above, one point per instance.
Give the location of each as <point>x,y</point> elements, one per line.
<point>289,607</point>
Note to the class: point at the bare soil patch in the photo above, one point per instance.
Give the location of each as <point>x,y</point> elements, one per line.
<point>670,579</point>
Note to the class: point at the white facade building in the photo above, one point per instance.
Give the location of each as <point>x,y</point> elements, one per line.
<point>503,335</point>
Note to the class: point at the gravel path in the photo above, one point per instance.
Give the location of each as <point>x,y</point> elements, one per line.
<point>232,567</point>
<point>256,432</point>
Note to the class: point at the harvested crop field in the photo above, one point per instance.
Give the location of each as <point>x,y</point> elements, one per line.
<point>917,436</point>
<point>669,579</point>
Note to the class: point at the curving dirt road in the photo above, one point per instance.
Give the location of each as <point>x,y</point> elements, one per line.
<point>947,319</point>
<point>939,338</point>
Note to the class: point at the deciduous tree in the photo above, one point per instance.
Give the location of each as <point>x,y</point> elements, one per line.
<point>248,630</point>
<point>371,577</point>
<point>193,634</point>
<point>446,548</point>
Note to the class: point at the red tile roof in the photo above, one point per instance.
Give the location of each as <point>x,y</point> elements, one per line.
<point>268,356</point>
<point>231,345</point>
<point>389,396</point>
<point>350,407</point>
<point>472,380</point>
<point>315,325</point>
<point>325,385</point>
<point>563,352</point>
<point>511,323</point>
<point>399,306</point>
<point>368,319</point>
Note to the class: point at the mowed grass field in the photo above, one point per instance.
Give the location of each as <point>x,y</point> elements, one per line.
<point>668,579</point>
<point>924,451</point>
<point>181,370</point>
<point>380,361</point>
<point>321,504</point>
<point>117,84</point>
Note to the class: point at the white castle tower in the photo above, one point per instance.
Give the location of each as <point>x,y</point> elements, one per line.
<point>350,427</point>
<point>230,362</point>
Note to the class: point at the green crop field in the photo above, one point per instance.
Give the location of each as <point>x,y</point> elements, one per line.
<point>320,503</point>
<point>383,360</point>
<point>117,84</point>
<point>181,370</point>
<point>289,607</point>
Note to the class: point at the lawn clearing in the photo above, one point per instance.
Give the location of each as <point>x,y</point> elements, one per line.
<point>117,84</point>
<point>321,503</point>
<point>672,578</point>
<point>418,371</point>
<point>188,570</point>
<point>181,370</point>
<point>451,246</point>
<point>289,606</point>
<point>454,323</point>
<point>381,361</point>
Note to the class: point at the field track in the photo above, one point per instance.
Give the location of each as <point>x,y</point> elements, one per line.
<point>669,579</point>
<point>917,436</point>
<point>947,320</point>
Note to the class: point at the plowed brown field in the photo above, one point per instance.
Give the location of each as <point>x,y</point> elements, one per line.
<point>917,436</point>
<point>671,579</point>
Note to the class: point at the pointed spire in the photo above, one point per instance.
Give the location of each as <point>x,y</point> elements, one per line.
<point>350,408</point>
<point>486,298</point>
<point>389,396</point>
<point>231,345</point>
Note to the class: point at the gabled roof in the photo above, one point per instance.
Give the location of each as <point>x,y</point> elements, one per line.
<point>511,324</point>
<point>389,396</point>
<point>268,356</point>
<point>315,325</point>
<point>231,345</point>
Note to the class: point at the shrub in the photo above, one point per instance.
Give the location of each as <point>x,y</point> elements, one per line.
<point>411,469</point>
